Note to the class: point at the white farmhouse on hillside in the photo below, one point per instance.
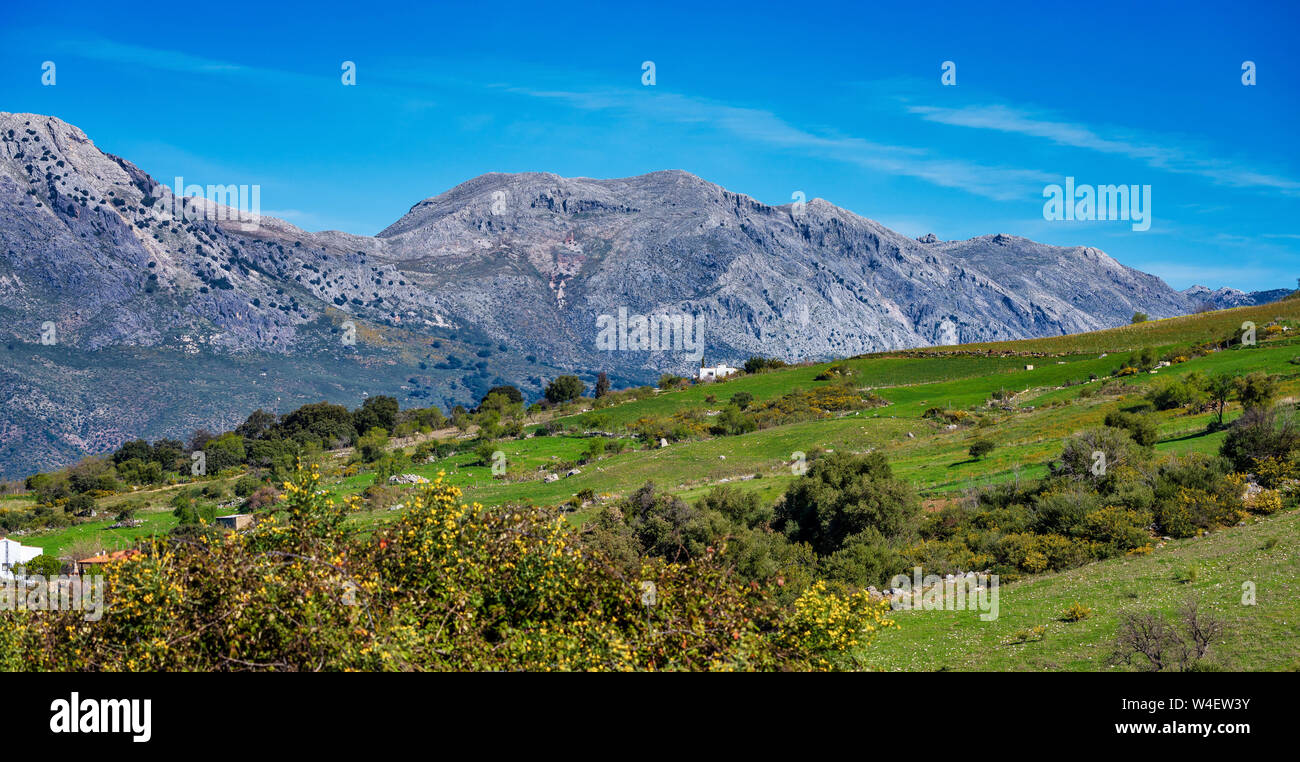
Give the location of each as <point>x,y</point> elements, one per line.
<point>721,370</point>
<point>13,554</point>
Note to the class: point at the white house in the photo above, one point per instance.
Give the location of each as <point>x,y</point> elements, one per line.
<point>714,373</point>
<point>13,553</point>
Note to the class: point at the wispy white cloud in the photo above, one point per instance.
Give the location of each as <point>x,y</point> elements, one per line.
<point>765,127</point>
<point>155,58</point>
<point>1163,154</point>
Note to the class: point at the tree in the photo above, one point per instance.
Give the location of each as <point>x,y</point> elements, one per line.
<point>257,425</point>
<point>79,504</point>
<point>1139,317</point>
<point>981,447</point>
<point>564,389</point>
<point>759,364</point>
<point>505,390</point>
<point>330,423</point>
<point>499,405</point>
<point>842,495</point>
<point>92,473</point>
<point>1174,393</point>
<point>137,448</point>
<point>486,453</point>
<point>595,449</point>
<point>226,451</point>
<point>1219,388</point>
<point>376,412</point>
<point>460,418</point>
<point>200,438</point>
<point>602,385</point>
<point>1144,359</point>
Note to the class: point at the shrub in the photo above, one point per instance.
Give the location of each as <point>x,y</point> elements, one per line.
<point>1266,501</point>
<point>447,586</point>
<point>1273,472</point>
<point>1142,428</point>
<point>1120,529</point>
<point>1257,390</point>
<point>1078,461</point>
<point>834,371</point>
<point>1076,612</point>
<point>1032,634</point>
<point>595,448</point>
<point>247,485</point>
<point>1260,434</point>
<point>262,498</point>
<point>1175,393</point>
<point>831,627</point>
<point>981,447</point>
<point>46,566</point>
<point>1191,510</point>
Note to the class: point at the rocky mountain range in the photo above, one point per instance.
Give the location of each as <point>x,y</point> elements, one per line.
<point>1227,298</point>
<point>131,310</point>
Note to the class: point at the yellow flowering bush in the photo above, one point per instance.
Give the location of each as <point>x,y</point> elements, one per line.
<point>1274,472</point>
<point>832,628</point>
<point>447,586</point>
<point>1265,501</point>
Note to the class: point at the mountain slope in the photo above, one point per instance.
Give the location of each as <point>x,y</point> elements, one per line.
<point>802,283</point>
<point>1227,298</point>
<point>166,315</point>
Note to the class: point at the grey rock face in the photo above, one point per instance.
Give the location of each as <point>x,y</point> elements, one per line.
<point>457,293</point>
<point>1203,297</point>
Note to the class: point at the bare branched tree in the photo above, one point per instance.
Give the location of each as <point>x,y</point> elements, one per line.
<point>1160,644</point>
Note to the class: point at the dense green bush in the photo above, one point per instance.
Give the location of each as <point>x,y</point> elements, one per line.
<point>1260,434</point>
<point>1175,393</point>
<point>1079,459</point>
<point>1144,429</point>
<point>842,495</point>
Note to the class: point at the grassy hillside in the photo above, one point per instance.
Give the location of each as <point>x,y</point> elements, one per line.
<point>1257,637</point>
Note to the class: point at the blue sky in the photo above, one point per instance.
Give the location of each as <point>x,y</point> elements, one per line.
<point>840,101</point>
